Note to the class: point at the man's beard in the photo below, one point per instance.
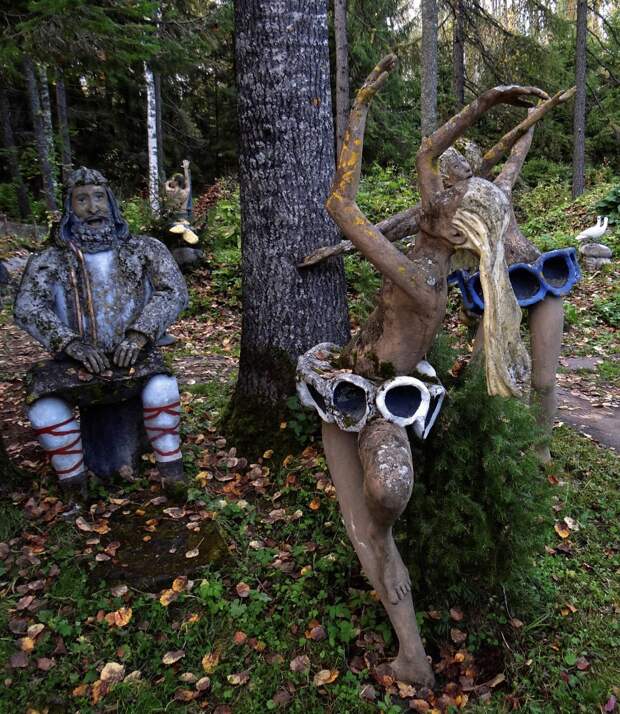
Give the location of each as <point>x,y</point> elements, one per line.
<point>93,239</point>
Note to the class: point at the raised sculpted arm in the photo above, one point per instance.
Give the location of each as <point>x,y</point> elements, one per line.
<point>341,203</point>
<point>427,160</point>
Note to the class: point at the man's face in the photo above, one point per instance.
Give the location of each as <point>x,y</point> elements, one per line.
<point>90,204</point>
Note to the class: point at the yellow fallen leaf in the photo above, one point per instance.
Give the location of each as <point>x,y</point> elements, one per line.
<point>112,672</point>
<point>173,656</point>
<point>325,676</point>
<point>35,630</point>
<point>562,529</point>
<point>168,596</point>
<point>238,678</point>
<point>119,618</point>
<point>26,644</point>
<point>210,662</point>
<point>179,584</point>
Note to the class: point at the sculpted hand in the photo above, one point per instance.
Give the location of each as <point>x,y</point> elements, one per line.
<point>376,79</point>
<point>517,95</point>
<point>94,360</point>
<point>185,164</point>
<point>126,354</point>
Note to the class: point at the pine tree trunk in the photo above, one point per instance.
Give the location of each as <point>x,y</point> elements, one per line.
<point>579,117</point>
<point>151,130</point>
<point>428,100</point>
<point>23,203</point>
<point>458,54</point>
<point>49,184</point>
<point>63,126</point>
<point>342,69</point>
<point>286,165</point>
<point>160,130</point>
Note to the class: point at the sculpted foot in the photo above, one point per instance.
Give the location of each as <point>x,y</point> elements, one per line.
<point>396,580</point>
<point>413,669</point>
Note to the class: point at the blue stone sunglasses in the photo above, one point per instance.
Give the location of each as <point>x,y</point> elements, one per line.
<point>554,272</point>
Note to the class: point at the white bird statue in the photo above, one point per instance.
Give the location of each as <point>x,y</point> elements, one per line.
<point>594,232</point>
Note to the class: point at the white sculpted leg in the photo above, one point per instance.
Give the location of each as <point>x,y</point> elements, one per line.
<point>58,433</point>
<point>162,417</point>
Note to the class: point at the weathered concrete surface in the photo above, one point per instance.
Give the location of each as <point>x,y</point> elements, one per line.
<point>601,423</point>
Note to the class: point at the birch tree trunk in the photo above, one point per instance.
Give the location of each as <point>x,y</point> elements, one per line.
<point>579,116</point>
<point>63,126</point>
<point>428,100</point>
<point>286,163</point>
<point>10,147</point>
<point>46,113</point>
<point>160,131</point>
<point>151,131</point>
<point>458,54</point>
<point>49,184</point>
<point>342,69</point>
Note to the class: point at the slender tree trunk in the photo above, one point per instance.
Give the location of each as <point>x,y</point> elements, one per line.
<point>286,162</point>
<point>458,54</point>
<point>49,184</point>
<point>23,203</point>
<point>342,69</point>
<point>151,130</point>
<point>429,67</point>
<point>46,113</point>
<point>579,117</point>
<point>63,126</point>
<point>160,130</point>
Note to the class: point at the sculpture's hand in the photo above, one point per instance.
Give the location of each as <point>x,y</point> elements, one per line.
<point>515,94</point>
<point>94,360</point>
<point>375,80</point>
<point>126,354</point>
<point>185,164</point>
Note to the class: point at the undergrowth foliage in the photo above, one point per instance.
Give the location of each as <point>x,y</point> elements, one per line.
<point>476,516</point>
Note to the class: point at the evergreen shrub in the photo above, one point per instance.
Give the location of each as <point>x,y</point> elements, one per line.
<point>480,501</point>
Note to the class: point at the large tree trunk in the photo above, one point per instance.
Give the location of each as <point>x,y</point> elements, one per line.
<point>429,67</point>
<point>458,54</point>
<point>63,126</point>
<point>285,168</point>
<point>49,184</point>
<point>151,130</point>
<point>160,130</point>
<point>10,147</point>
<point>579,117</point>
<point>342,69</point>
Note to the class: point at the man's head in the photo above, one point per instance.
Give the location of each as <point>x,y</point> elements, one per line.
<point>92,218</point>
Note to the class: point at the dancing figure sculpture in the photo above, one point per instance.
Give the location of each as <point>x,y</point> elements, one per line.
<point>98,299</point>
<point>379,386</point>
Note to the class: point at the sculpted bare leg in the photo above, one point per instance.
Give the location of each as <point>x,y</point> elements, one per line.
<point>546,327</point>
<point>369,511</point>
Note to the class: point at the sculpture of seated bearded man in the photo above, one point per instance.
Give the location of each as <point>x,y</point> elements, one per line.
<point>100,298</point>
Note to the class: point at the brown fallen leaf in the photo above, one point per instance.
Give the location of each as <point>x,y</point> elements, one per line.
<point>185,695</point>
<point>456,614</point>
<point>405,691</point>
<point>175,512</point>
<point>173,656</point>
<point>457,636</point>
<point>239,637</point>
<point>46,663</point>
<point>24,602</point>
<point>243,589</point>
<point>18,660</point>
<point>119,590</point>
<point>562,529</point>
<point>301,663</point>
<point>282,698</point>
<point>203,684</point>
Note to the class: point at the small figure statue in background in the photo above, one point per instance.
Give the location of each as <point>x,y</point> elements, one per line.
<point>99,298</point>
<point>179,202</point>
